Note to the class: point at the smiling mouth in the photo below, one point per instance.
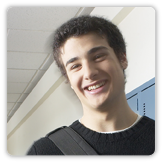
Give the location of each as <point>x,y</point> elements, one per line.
<point>93,87</point>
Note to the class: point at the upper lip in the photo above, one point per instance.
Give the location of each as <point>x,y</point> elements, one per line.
<point>93,83</point>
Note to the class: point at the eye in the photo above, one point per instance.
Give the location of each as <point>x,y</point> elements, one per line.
<point>99,57</point>
<point>76,66</point>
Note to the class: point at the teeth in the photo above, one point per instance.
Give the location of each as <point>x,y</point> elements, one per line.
<point>96,86</point>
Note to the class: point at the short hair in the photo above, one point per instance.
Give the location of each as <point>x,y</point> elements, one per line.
<point>82,25</point>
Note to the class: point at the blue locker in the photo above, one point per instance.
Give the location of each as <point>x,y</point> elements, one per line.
<point>147,102</point>
<point>142,99</point>
<point>133,103</point>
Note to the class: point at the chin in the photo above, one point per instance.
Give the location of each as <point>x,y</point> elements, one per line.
<point>98,105</point>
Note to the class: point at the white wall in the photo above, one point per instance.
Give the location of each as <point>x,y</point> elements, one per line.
<point>140,38</point>
<point>53,103</point>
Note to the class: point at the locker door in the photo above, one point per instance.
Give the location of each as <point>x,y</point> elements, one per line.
<point>133,103</point>
<point>148,102</point>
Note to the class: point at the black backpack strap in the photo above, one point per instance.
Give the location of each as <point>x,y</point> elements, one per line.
<point>70,142</point>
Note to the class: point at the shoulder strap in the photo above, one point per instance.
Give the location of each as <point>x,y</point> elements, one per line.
<point>70,142</point>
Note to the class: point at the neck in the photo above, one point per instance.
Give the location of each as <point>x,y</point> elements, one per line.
<point>116,116</point>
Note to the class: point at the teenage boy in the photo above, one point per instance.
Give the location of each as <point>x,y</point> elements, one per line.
<point>91,53</point>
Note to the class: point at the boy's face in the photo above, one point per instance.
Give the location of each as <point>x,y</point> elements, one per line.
<point>94,71</point>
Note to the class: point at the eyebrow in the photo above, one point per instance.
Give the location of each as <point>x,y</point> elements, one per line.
<point>91,51</point>
<point>95,49</point>
<point>71,60</point>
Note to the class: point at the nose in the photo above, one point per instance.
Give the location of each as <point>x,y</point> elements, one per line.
<point>90,71</point>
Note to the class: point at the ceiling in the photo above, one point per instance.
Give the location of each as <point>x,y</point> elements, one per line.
<point>29,30</point>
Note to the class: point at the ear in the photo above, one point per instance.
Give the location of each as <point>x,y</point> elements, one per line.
<point>124,61</point>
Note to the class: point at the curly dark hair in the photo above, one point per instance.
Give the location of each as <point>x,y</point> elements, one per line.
<point>83,25</point>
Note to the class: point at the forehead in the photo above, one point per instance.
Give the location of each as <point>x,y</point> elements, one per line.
<point>82,44</point>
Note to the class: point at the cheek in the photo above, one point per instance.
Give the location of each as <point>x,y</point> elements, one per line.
<point>107,68</point>
<point>117,77</point>
<point>75,81</point>
<point>114,71</point>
